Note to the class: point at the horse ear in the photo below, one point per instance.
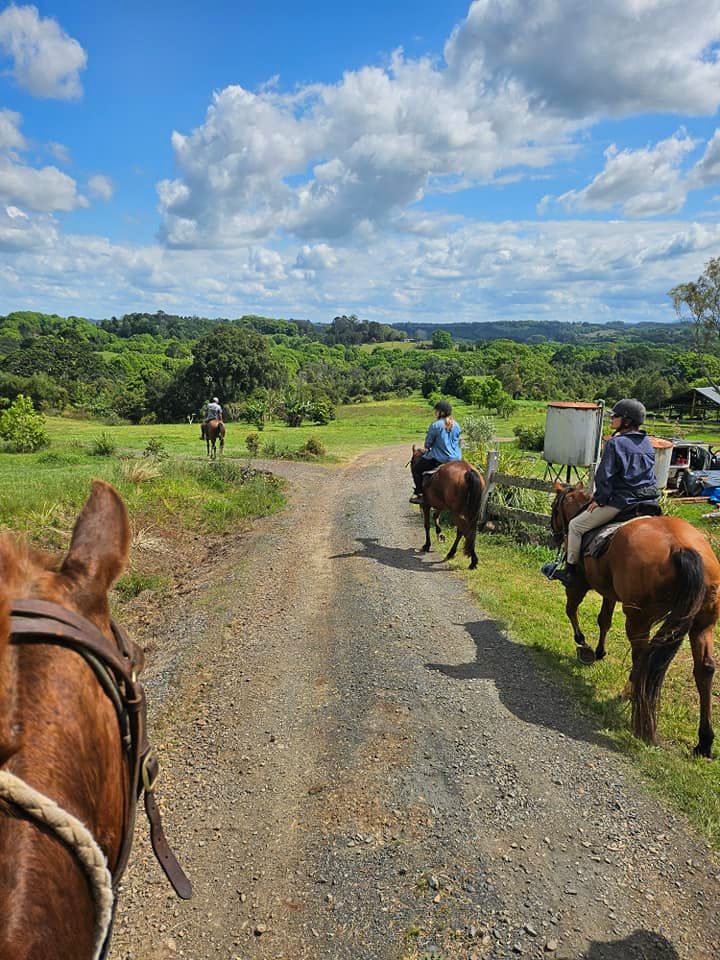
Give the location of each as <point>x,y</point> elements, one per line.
<point>558,487</point>
<point>579,485</point>
<point>100,544</point>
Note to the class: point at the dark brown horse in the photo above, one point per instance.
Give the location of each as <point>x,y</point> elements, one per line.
<point>212,431</point>
<point>663,572</point>
<point>457,487</point>
<point>61,740</point>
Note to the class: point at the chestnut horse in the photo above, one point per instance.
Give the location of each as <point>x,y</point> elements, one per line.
<point>72,732</point>
<point>212,431</point>
<point>662,571</point>
<point>455,486</point>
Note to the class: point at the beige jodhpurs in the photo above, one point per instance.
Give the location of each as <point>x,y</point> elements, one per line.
<point>587,520</point>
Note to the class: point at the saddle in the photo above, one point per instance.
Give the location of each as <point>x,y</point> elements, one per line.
<point>596,542</point>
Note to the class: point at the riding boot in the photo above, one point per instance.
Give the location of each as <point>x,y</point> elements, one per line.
<point>565,575</point>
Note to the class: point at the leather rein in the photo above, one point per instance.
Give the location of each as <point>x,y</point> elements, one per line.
<point>116,666</point>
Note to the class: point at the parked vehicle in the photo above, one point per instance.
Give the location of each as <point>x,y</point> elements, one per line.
<point>693,467</point>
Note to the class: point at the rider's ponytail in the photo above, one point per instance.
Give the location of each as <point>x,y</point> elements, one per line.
<point>449,423</point>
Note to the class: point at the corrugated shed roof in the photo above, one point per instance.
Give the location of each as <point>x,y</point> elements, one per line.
<point>710,393</point>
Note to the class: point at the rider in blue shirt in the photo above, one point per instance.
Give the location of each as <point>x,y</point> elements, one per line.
<point>442,444</point>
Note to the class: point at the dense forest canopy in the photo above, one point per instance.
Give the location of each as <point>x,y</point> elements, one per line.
<point>145,367</point>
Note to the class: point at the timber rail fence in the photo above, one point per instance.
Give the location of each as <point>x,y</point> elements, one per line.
<point>490,510</point>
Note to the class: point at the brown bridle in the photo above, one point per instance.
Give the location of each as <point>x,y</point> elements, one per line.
<point>558,518</point>
<point>116,666</point>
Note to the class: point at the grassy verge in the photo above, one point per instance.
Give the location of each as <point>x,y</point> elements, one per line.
<point>509,587</point>
<point>41,496</point>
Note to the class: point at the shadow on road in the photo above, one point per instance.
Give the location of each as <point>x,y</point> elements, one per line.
<point>401,558</point>
<point>641,945</point>
<point>522,688</point>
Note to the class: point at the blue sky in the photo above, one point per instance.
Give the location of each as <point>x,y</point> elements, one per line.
<point>408,161</point>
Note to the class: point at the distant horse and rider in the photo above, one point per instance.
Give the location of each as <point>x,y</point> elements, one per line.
<point>661,570</point>
<point>444,481</point>
<point>212,428</point>
<point>74,754</point>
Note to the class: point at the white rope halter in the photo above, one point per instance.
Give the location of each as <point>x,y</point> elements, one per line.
<point>77,837</point>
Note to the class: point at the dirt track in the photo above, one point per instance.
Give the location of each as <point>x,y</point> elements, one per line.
<point>357,764</point>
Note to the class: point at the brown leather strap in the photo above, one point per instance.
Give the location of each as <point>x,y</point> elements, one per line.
<point>165,857</point>
<point>39,621</point>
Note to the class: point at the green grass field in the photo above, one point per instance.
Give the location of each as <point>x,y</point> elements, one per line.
<point>41,494</point>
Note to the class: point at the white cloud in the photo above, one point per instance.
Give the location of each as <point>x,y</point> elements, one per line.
<point>646,182</point>
<point>11,139</point>
<point>101,186</point>
<point>707,169</point>
<point>61,153</point>
<point>45,189</point>
<point>565,270</point>
<point>581,58</point>
<point>45,60</point>
<point>519,82</point>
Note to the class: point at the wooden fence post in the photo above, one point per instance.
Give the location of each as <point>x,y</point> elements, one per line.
<point>490,469</point>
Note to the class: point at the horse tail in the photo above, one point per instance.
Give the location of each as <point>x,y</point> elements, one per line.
<point>688,600</point>
<point>473,497</point>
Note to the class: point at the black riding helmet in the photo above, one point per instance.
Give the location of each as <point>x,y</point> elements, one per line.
<point>631,410</point>
<point>443,408</point>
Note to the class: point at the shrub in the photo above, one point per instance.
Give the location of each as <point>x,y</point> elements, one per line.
<point>252,442</point>
<point>506,406</point>
<point>530,438</point>
<point>314,447</point>
<point>22,428</point>
<point>155,449</point>
<point>478,433</point>
<point>134,582</point>
<point>102,446</point>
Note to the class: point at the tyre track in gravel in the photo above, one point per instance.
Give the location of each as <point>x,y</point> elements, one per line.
<point>358,764</point>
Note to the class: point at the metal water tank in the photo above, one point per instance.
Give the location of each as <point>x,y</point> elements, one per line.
<point>572,433</point>
<point>663,452</point>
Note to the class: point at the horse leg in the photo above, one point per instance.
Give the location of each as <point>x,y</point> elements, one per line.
<point>574,596</point>
<point>470,532</point>
<point>438,528</point>
<point>637,630</point>
<point>702,641</point>
<point>604,622</point>
<point>453,548</point>
<point>426,521</point>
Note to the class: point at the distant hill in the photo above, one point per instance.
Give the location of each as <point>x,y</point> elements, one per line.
<point>540,331</point>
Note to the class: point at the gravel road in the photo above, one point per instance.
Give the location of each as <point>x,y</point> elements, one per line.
<point>357,763</point>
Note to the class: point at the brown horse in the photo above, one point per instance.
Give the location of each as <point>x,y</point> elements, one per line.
<point>455,486</point>
<point>67,677</point>
<point>663,571</point>
<point>212,431</point>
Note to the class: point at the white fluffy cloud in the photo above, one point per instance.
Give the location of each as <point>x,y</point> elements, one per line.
<point>646,182</point>
<point>45,60</point>
<point>101,186</point>
<point>566,270</point>
<point>520,80</point>
<point>43,189</point>
<point>581,58</point>
<point>707,170</point>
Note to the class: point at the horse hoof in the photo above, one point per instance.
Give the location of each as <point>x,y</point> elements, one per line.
<point>441,537</point>
<point>600,654</point>
<point>426,549</point>
<point>585,654</point>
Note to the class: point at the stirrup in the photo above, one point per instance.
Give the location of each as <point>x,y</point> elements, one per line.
<point>417,498</point>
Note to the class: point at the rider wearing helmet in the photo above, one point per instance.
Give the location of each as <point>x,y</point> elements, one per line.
<point>442,444</point>
<point>625,477</point>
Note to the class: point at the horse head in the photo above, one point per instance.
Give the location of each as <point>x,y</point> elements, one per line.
<point>74,756</point>
<point>570,500</point>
